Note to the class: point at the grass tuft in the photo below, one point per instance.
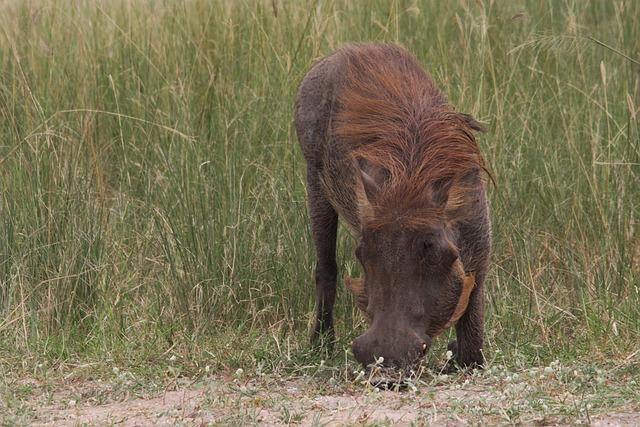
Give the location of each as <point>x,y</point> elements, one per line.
<point>152,197</point>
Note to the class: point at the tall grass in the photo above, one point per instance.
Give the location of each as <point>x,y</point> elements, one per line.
<point>152,191</point>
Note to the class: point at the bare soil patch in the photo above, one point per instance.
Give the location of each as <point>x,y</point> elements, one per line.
<point>304,401</point>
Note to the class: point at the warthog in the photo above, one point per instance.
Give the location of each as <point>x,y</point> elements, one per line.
<point>387,153</point>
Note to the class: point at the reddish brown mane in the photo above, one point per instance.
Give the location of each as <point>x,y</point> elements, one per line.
<point>393,116</point>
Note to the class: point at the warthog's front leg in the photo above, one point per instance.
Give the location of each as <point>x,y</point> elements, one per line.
<point>467,349</point>
<point>324,225</point>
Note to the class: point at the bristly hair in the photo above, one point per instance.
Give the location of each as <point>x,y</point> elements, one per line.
<point>394,117</point>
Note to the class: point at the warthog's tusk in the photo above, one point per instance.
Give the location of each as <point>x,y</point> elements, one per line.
<point>356,287</point>
<point>469,282</point>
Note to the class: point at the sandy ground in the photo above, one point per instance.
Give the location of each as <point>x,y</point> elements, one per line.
<point>227,400</point>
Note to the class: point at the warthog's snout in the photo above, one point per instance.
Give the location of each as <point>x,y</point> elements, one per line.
<point>398,348</point>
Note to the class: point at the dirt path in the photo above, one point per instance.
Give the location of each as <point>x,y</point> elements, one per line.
<point>304,401</point>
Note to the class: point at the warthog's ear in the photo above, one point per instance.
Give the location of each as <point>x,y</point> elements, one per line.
<point>461,190</point>
<point>439,191</point>
<point>373,176</point>
<point>356,286</point>
<point>471,122</point>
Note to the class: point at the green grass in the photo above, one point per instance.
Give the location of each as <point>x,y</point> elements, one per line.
<point>152,196</point>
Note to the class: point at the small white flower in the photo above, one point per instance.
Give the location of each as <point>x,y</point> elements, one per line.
<point>116,370</point>
<point>207,368</point>
<point>172,358</point>
<point>380,360</point>
<point>72,402</point>
<point>449,354</point>
<point>239,372</point>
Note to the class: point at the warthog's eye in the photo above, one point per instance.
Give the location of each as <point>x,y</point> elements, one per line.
<point>438,253</point>
<point>430,251</point>
<point>432,254</point>
<point>428,246</point>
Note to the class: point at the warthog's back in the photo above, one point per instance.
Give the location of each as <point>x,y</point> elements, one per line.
<point>315,106</point>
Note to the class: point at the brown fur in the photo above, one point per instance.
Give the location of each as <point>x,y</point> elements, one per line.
<point>386,152</point>
<point>391,115</point>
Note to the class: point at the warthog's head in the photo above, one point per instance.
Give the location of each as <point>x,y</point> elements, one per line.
<point>414,284</point>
